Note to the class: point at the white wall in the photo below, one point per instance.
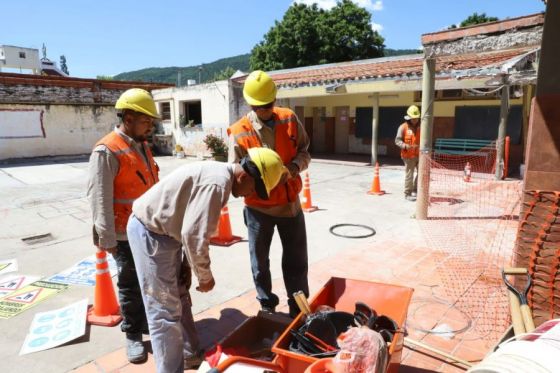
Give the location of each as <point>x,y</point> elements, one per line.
<point>11,58</point>
<point>69,130</point>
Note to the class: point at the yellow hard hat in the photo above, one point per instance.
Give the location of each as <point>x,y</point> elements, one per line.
<point>412,112</point>
<point>266,167</point>
<point>259,89</point>
<point>138,100</point>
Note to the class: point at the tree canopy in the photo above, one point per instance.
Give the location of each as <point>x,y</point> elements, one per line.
<point>63,65</point>
<point>308,35</point>
<point>475,19</point>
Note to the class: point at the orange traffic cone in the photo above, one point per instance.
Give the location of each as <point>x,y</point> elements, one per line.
<point>375,185</point>
<point>224,236</point>
<point>105,310</point>
<point>467,173</point>
<point>306,203</point>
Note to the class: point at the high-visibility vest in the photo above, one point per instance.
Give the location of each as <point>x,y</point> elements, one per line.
<point>285,144</point>
<point>411,137</point>
<point>133,179</point>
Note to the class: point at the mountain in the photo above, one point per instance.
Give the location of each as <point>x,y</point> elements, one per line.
<point>170,74</point>
<point>401,52</point>
<point>209,70</point>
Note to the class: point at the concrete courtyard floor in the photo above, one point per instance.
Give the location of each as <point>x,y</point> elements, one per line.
<point>49,197</point>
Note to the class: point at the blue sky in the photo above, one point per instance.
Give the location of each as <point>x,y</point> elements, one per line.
<point>101,37</point>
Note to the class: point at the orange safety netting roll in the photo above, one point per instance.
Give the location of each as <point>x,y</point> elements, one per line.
<point>538,249</point>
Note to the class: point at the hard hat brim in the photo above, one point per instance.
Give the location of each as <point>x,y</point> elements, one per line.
<point>254,102</point>
<point>251,168</point>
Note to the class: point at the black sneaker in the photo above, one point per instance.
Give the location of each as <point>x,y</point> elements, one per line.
<point>135,350</point>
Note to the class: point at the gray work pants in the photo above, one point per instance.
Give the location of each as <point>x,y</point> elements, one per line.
<point>168,307</point>
<point>410,180</point>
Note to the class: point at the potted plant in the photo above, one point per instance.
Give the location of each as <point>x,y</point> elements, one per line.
<point>217,147</point>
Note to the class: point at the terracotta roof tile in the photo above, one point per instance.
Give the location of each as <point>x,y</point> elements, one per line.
<point>62,81</point>
<point>393,67</point>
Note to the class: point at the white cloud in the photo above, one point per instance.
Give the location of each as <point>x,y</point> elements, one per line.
<point>323,4</point>
<point>376,27</point>
<point>329,4</point>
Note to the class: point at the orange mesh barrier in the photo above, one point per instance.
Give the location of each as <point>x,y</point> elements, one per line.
<point>472,224</point>
<point>538,248</point>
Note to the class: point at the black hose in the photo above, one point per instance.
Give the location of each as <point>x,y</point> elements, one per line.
<point>336,226</point>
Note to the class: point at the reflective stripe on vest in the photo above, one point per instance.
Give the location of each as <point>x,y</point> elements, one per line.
<point>285,139</point>
<point>410,137</point>
<point>133,179</point>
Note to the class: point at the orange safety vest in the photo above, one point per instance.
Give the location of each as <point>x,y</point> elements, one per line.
<point>285,131</point>
<point>133,179</point>
<point>411,137</point>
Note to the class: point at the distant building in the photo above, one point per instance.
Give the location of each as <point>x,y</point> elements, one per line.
<point>12,57</point>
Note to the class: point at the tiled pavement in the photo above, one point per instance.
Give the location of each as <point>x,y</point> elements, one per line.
<point>390,262</point>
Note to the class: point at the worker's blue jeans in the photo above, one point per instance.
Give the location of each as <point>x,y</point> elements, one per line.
<point>294,255</point>
<point>168,306</point>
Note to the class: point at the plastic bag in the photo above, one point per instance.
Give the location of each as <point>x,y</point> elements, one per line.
<point>362,350</point>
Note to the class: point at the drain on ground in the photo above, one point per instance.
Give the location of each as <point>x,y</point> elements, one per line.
<point>31,240</point>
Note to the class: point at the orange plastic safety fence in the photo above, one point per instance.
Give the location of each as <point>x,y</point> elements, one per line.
<point>472,223</point>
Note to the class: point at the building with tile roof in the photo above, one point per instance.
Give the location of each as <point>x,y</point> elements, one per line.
<point>335,101</point>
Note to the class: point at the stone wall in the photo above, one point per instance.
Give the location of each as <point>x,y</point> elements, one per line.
<point>53,116</point>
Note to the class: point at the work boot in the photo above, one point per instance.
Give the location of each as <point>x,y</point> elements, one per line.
<point>135,351</point>
<point>193,361</point>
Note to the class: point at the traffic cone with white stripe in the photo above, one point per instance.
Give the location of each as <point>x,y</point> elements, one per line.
<point>306,203</point>
<point>376,185</point>
<point>105,310</point>
<point>224,236</point>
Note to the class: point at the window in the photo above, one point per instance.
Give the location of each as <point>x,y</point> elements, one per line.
<point>193,112</point>
<point>21,54</point>
<point>165,110</point>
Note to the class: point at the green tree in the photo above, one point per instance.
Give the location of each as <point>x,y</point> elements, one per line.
<point>475,19</point>
<point>224,74</point>
<point>63,65</point>
<point>307,35</point>
<point>104,77</point>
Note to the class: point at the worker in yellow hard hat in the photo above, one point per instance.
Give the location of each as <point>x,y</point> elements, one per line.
<point>121,169</point>
<point>181,212</point>
<point>408,139</point>
<point>279,129</point>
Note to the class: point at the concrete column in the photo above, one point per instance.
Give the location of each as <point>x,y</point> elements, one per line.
<point>504,110</point>
<point>539,228</point>
<point>426,126</point>
<point>374,128</point>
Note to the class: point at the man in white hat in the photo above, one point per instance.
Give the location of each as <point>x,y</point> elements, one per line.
<point>408,139</point>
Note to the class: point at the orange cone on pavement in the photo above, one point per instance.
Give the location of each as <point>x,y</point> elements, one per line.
<point>306,203</point>
<point>224,236</point>
<point>375,185</point>
<point>105,310</point>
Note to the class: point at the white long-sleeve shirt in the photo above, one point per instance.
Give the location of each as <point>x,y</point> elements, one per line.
<point>186,206</point>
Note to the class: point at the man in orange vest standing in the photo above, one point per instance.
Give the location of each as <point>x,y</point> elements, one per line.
<point>267,125</point>
<point>408,139</point>
<point>121,169</point>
